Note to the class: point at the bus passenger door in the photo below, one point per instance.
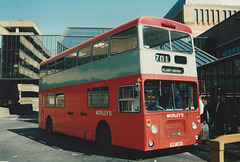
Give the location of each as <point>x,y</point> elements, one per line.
<point>130,129</point>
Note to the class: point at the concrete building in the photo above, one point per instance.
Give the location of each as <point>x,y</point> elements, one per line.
<point>201,15</point>
<point>21,51</point>
<point>22,47</point>
<point>19,27</point>
<point>222,77</point>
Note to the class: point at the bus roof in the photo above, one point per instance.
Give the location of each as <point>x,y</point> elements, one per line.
<point>145,20</point>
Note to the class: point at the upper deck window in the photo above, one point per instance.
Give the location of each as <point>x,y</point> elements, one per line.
<point>168,40</point>
<point>43,70</point>
<point>60,63</point>
<point>51,67</point>
<point>71,60</point>
<point>84,55</point>
<point>100,49</point>
<point>124,41</point>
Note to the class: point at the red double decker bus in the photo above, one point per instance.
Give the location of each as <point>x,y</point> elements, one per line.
<point>134,86</point>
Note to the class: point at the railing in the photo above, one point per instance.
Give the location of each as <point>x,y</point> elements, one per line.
<point>217,146</point>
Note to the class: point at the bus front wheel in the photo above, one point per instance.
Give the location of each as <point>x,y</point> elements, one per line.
<point>103,136</point>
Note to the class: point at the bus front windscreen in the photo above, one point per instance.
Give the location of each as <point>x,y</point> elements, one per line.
<point>170,96</point>
<point>168,40</point>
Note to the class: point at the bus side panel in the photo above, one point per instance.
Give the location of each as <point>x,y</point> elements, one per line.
<point>41,121</point>
<point>129,124</point>
<point>130,131</point>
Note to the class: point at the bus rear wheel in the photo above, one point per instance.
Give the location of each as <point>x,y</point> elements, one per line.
<point>49,126</point>
<point>103,137</point>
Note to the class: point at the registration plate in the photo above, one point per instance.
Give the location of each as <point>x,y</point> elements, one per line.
<point>175,144</point>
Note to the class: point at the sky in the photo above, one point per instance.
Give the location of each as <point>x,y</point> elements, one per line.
<point>54,16</point>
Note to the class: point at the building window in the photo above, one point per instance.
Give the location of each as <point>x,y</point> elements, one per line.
<point>100,97</point>
<point>237,49</point>
<point>206,15</point>
<point>196,14</point>
<point>217,16</point>
<point>201,15</point>
<point>224,15</point>
<point>60,99</point>
<point>212,15</point>
<point>128,99</point>
<point>229,13</point>
<point>50,100</point>
<point>100,49</point>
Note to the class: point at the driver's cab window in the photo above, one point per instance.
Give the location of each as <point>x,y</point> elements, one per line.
<point>128,98</point>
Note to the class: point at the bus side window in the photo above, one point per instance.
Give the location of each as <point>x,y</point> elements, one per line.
<point>60,99</point>
<point>60,64</point>
<point>100,97</point>
<point>51,67</point>
<point>100,49</point>
<point>128,99</point>
<point>84,55</point>
<point>71,60</point>
<point>89,98</point>
<point>43,101</point>
<point>124,41</point>
<point>50,100</point>
<point>43,70</point>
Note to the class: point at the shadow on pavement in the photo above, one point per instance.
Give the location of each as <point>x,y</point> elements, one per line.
<point>89,148</point>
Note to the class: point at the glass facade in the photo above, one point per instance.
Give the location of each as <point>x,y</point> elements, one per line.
<point>21,55</point>
<point>73,36</point>
<point>221,78</point>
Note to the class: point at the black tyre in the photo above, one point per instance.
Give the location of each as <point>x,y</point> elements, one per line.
<point>49,126</point>
<point>103,137</point>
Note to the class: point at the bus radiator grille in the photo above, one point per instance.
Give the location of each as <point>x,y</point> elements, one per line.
<point>175,128</point>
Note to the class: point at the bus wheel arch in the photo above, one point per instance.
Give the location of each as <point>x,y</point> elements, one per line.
<point>103,135</point>
<point>49,126</point>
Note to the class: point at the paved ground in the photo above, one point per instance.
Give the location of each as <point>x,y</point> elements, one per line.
<point>21,140</point>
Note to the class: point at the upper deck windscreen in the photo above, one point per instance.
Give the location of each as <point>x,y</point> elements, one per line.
<point>168,40</point>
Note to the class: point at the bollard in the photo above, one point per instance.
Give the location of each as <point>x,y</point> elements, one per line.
<point>217,146</point>
<point>217,151</point>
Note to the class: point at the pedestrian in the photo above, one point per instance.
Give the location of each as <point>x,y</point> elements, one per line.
<point>206,117</point>
<point>201,105</point>
<point>206,111</point>
<point>218,117</point>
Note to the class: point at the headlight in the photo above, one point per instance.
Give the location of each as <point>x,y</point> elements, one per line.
<point>194,125</point>
<point>154,129</point>
<point>151,143</point>
<point>196,137</point>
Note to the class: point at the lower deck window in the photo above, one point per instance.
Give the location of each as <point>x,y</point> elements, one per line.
<point>43,101</point>
<point>50,100</point>
<point>100,97</point>
<point>60,99</point>
<point>128,99</point>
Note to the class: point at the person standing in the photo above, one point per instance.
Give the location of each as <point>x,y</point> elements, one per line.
<point>206,111</point>
<point>218,117</point>
<point>201,105</point>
